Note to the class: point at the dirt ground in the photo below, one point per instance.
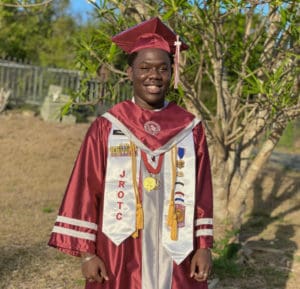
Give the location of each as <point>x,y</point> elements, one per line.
<point>36,161</point>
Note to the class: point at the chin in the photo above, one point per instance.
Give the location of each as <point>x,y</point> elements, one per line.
<point>155,97</point>
<point>158,102</point>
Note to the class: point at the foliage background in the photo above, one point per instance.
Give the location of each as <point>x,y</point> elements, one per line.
<point>49,36</point>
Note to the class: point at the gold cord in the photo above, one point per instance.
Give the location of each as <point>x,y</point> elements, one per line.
<point>139,208</point>
<point>172,217</point>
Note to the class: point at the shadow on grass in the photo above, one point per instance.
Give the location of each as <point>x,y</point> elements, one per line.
<point>275,197</point>
<point>15,259</point>
<point>37,266</point>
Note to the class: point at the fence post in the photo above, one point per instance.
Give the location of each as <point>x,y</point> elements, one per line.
<point>35,81</point>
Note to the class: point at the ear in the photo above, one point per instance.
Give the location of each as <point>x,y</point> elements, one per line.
<point>129,72</point>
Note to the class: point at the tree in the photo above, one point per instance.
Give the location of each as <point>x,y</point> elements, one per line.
<point>240,75</point>
<point>58,49</point>
<point>37,31</point>
<point>253,69</point>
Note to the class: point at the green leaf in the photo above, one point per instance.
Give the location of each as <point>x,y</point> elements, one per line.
<point>66,108</point>
<point>168,15</point>
<point>112,52</point>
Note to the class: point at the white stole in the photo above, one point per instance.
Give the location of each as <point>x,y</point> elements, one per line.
<point>119,211</point>
<point>184,201</point>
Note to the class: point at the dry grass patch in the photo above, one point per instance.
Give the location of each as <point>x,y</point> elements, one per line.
<point>36,162</point>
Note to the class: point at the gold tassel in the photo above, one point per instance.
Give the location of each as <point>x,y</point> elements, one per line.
<point>139,220</point>
<point>171,213</point>
<point>139,217</point>
<point>135,234</point>
<point>174,229</point>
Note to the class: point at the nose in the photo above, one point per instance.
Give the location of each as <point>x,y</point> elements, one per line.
<point>154,73</point>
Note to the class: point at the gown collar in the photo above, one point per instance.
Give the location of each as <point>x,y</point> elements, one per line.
<point>153,128</point>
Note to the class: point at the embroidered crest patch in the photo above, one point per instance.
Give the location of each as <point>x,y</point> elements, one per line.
<point>180,209</point>
<point>152,127</point>
<point>121,150</point>
<point>180,213</point>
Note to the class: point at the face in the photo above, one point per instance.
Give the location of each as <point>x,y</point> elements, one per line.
<point>150,74</point>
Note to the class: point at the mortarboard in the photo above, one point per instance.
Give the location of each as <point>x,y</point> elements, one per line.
<point>152,33</point>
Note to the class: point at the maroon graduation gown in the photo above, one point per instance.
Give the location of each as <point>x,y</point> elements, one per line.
<point>79,224</point>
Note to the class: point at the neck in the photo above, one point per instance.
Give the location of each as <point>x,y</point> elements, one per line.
<point>145,105</point>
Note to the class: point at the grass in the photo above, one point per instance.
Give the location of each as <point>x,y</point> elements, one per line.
<point>288,141</point>
<point>38,158</point>
<point>227,268</point>
<point>225,260</point>
<point>48,210</point>
<point>274,276</point>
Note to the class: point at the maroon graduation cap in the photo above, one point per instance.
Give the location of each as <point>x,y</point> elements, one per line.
<point>152,33</point>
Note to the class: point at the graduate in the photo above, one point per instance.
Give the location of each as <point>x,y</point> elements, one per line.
<point>138,206</point>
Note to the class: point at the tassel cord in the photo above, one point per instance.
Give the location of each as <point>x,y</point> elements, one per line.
<point>139,207</point>
<point>172,217</point>
<point>176,61</point>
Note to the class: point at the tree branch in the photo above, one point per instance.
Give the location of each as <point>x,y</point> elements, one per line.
<point>21,4</point>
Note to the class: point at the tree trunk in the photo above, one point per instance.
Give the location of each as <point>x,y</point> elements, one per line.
<point>223,167</point>
<point>236,206</point>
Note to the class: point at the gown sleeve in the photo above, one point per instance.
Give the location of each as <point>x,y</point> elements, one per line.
<point>204,193</point>
<point>76,226</point>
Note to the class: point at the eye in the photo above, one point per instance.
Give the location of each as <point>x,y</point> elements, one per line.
<point>163,69</point>
<point>145,68</point>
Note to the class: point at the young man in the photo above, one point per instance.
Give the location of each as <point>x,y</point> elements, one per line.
<point>138,206</point>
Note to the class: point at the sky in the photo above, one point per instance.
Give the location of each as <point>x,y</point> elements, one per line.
<point>81,7</point>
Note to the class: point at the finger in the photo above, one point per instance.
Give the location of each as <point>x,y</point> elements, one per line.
<point>201,276</point>
<point>198,279</point>
<point>93,279</point>
<point>193,268</point>
<point>98,278</point>
<point>103,272</point>
<point>104,276</point>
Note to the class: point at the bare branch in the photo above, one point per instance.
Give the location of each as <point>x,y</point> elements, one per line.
<point>199,75</point>
<point>192,96</point>
<point>239,131</point>
<point>292,112</point>
<point>22,4</point>
<point>234,137</point>
<point>236,115</point>
<point>113,69</point>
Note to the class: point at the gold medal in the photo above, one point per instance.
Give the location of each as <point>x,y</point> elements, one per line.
<point>180,164</point>
<point>179,174</point>
<point>149,183</point>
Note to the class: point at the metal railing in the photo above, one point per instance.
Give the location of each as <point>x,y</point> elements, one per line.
<point>30,84</point>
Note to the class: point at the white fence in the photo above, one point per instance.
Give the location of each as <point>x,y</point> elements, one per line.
<point>30,84</point>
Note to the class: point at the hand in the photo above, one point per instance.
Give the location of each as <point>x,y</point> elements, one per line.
<point>94,269</point>
<point>201,265</point>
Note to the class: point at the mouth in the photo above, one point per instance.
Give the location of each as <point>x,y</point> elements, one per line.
<point>154,89</point>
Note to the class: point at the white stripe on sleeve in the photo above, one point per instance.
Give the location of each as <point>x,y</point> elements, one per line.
<point>74,233</point>
<point>204,232</point>
<point>77,222</point>
<point>203,221</point>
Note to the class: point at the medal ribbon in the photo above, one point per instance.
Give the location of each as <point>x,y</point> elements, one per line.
<point>172,217</point>
<point>149,168</point>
